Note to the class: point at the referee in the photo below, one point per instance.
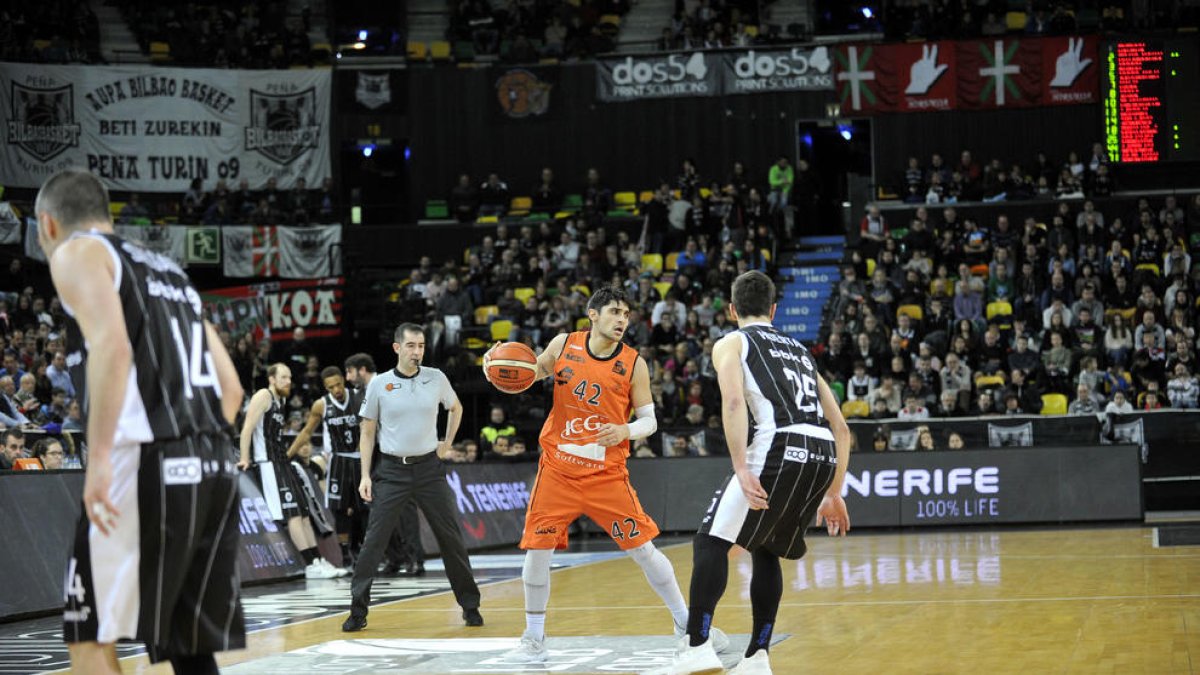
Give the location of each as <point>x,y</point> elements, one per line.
<point>402,405</point>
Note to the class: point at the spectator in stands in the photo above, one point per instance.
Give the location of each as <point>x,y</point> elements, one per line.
<point>133,211</point>
<point>464,200</point>
<point>13,448</point>
<point>493,198</point>
<point>1118,405</point>
<point>74,419</point>
<point>780,178</point>
<point>1057,362</point>
<point>1084,403</point>
<point>49,451</point>
<point>873,230</point>
<point>547,197</point>
<point>985,405</point>
<point>1183,389</point>
<point>887,394</point>
<point>913,409</point>
<point>1022,357</point>
<point>1151,401</point>
<point>1150,326</point>
<point>947,404</point>
<point>12,366</point>
<point>968,302</point>
<point>497,426</point>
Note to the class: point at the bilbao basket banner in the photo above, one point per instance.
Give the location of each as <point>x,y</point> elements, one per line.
<point>156,129</point>
<point>275,308</point>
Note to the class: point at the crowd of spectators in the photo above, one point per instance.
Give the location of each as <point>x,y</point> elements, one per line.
<point>239,205</point>
<point>712,230</point>
<point>55,31</point>
<point>949,316</point>
<point>222,33</point>
<point>907,19</point>
<point>710,24</point>
<point>526,30</point>
<point>939,182</point>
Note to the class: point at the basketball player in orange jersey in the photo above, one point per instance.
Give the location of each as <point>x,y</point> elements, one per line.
<point>598,381</point>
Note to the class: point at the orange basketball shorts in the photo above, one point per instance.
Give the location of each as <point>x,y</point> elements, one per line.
<point>606,497</point>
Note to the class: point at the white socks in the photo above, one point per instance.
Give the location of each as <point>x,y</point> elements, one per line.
<point>661,575</point>
<point>535,573</point>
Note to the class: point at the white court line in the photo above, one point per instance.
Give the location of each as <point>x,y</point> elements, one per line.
<point>448,591</point>
<point>865,603</point>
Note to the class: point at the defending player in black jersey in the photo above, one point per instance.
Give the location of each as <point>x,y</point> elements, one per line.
<point>156,550</point>
<point>262,433</point>
<point>791,471</point>
<point>338,409</point>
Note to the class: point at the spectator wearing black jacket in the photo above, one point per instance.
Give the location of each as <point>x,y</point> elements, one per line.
<point>493,197</point>
<point>547,197</point>
<point>464,200</point>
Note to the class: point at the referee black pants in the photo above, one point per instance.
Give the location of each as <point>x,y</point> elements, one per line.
<point>394,486</point>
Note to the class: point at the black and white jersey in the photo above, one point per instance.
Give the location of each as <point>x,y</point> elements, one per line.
<point>341,423</point>
<point>268,442</point>
<point>173,390</point>
<point>781,380</point>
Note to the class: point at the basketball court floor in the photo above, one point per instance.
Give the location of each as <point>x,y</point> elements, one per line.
<point>1095,600</point>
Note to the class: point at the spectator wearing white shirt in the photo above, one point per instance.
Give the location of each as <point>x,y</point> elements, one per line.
<point>913,410</point>
<point>1183,390</point>
<point>670,304</point>
<point>1119,404</point>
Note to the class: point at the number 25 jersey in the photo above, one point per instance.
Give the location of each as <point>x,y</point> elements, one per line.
<point>588,392</point>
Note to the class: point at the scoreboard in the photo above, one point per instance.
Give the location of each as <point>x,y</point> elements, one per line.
<point>1151,93</point>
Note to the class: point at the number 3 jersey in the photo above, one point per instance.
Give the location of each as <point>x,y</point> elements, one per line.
<point>588,392</point>
<point>173,390</point>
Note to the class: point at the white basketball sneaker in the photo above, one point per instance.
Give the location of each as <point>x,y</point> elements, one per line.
<point>689,660</point>
<point>718,638</point>
<point>319,569</point>
<point>755,665</point>
<point>531,650</point>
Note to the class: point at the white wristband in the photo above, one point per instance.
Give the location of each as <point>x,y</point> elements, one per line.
<point>645,425</point>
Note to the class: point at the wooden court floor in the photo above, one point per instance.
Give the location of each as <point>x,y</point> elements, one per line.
<point>1011,601</point>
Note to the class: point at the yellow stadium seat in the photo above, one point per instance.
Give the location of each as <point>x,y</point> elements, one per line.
<point>1000,307</point>
<point>1016,20</point>
<point>560,215</point>
<point>1054,404</point>
<point>677,194</point>
<point>672,262</point>
<point>914,312</point>
<point>160,51</point>
<point>662,287</point>
<point>645,196</point>
<point>440,50</point>
<point>416,51</point>
<point>520,206</point>
<point>524,294</point>
<point>857,408</point>
<point>501,329</point>
<point>989,381</point>
<point>583,323</point>
<point>765,254</point>
<point>487,219</point>
<point>705,193</point>
<point>626,201</point>
<point>614,19</point>
<point>870,267</point>
<point>652,262</point>
<point>114,208</point>
<point>582,288</point>
<point>484,313</point>
<point>1149,267</point>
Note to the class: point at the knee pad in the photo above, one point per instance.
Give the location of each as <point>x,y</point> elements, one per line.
<point>536,569</point>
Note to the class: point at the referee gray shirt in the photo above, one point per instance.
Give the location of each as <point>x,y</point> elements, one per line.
<point>407,409</point>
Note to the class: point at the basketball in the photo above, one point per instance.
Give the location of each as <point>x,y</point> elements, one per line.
<point>512,367</point>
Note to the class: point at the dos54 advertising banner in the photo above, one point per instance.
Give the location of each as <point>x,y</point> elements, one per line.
<point>156,129</point>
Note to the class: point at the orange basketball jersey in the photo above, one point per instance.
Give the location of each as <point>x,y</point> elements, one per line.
<point>588,392</point>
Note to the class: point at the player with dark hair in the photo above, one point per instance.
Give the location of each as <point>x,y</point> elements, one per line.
<point>800,448</point>
<point>155,554</point>
<point>338,411</point>
<point>598,382</point>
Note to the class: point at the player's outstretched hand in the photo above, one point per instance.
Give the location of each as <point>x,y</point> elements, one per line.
<point>756,496</point>
<point>487,360</point>
<point>833,512</point>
